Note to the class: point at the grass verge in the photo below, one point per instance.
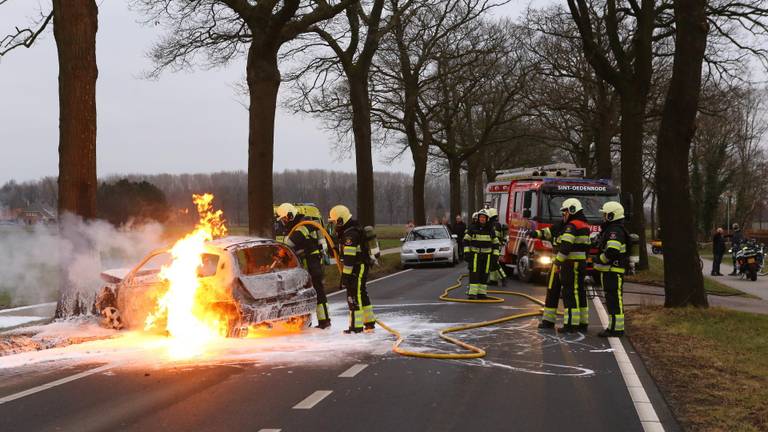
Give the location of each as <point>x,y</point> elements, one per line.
<point>711,364</point>
<point>655,276</point>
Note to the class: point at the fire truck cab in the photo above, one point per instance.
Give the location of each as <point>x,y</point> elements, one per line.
<point>530,199</point>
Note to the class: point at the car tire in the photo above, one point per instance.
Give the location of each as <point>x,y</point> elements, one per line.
<point>454,260</point>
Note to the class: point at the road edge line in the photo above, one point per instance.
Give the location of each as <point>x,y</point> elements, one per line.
<point>56,383</point>
<point>20,308</point>
<point>645,410</point>
<point>375,280</point>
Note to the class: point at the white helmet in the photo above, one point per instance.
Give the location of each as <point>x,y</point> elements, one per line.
<point>340,215</point>
<point>613,211</point>
<point>572,205</point>
<point>287,211</point>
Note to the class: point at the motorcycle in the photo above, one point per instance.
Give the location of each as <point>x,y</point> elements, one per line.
<point>749,259</point>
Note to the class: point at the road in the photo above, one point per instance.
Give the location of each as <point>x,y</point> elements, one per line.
<point>531,380</point>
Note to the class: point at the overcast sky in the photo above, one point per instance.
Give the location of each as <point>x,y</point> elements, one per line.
<point>184,122</point>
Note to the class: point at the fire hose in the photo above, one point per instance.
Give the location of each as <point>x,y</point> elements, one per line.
<point>474,351</point>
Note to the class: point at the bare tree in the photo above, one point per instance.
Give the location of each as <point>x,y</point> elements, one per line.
<point>223,30</point>
<point>683,281</point>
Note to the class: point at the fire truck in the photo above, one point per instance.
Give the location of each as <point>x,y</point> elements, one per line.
<point>530,199</point>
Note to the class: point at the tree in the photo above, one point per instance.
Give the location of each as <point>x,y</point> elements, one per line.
<point>125,202</point>
<point>223,30</point>
<point>683,281</point>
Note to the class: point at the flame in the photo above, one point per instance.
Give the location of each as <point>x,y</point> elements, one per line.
<point>191,322</point>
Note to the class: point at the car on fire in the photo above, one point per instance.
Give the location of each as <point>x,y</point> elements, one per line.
<point>247,281</point>
<point>429,244</point>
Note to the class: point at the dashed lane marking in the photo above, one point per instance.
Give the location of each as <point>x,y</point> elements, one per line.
<point>270,430</point>
<point>313,399</point>
<point>354,370</point>
<point>59,382</point>
<point>643,405</point>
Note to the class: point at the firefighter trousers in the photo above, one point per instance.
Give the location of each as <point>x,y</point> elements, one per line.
<point>572,278</point>
<point>554,288</point>
<point>479,272</point>
<point>360,308</point>
<point>612,283</point>
<point>314,266</point>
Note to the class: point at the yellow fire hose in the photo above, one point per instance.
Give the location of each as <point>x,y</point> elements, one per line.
<point>474,352</point>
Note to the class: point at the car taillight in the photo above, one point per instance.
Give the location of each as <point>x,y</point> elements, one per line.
<point>308,283</point>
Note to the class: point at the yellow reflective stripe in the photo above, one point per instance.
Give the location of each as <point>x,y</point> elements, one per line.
<point>577,256</point>
<point>614,244</point>
<point>582,240</point>
<point>567,238</point>
<point>482,237</point>
<point>560,257</point>
<point>350,250</point>
<point>347,269</point>
<point>485,250</point>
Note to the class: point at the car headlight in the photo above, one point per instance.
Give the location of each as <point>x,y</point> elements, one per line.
<point>545,260</point>
<point>407,251</point>
<point>444,249</point>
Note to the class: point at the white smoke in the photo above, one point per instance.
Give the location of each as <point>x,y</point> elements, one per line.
<point>30,256</point>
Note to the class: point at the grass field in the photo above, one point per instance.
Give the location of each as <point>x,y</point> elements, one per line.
<point>655,276</point>
<point>711,364</point>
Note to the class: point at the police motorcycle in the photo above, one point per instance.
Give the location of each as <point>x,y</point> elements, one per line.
<point>750,259</point>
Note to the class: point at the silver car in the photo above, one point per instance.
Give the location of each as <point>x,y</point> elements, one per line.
<point>429,244</point>
<point>249,281</point>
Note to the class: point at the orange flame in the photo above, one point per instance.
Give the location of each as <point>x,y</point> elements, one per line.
<point>191,322</point>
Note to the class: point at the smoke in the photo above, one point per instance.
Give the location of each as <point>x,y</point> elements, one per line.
<point>30,256</point>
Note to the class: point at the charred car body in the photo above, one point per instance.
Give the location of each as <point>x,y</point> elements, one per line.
<point>245,280</point>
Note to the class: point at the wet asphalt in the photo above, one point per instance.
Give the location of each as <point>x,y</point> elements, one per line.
<point>531,380</point>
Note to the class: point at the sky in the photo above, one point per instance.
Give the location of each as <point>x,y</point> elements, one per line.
<point>189,121</point>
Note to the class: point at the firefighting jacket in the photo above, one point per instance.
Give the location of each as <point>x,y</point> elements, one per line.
<point>304,240</point>
<point>351,250</point>
<point>574,241</point>
<point>613,248</point>
<point>481,239</point>
<point>551,234</point>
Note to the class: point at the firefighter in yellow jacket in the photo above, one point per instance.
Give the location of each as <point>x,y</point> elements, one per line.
<point>305,242</point>
<point>355,255</point>
<point>612,264</point>
<point>481,252</point>
<point>571,257</point>
<point>554,286</point>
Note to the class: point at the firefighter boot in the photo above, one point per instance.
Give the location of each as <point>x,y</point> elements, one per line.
<point>567,328</point>
<point>611,333</point>
<point>353,330</point>
<point>546,324</point>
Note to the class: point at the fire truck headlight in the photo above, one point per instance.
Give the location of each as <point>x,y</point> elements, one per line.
<point>545,260</point>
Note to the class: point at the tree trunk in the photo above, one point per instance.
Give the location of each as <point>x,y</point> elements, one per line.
<point>454,179</point>
<point>632,122</point>
<point>653,215</point>
<point>361,129</point>
<point>263,78</point>
<point>75,23</point>
<point>74,27</point>
<point>419,179</point>
<point>472,179</point>
<point>603,135</point>
<point>682,276</point>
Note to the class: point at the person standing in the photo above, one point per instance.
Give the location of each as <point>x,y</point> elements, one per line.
<point>554,286</point>
<point>737,237</point>
<point>305,242</point>
<point>612,263</point>
<point>481,250</point>
<point>353,249</point>
<point>498,275</point>
<point>718,249</point>
<point>571,258</point>
<point>458,229</point>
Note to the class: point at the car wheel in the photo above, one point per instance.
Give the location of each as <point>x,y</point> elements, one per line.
<point>454,260</point>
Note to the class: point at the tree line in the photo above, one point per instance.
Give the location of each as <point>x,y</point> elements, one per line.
<point>621,87</point>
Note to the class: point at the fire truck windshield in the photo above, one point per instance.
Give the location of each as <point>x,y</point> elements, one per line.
<point>591,203</point>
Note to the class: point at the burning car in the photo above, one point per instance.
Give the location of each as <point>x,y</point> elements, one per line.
<point>240,282</point>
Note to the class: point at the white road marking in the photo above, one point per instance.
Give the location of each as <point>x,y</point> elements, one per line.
<point>59,382</point>
<point>312,399</point>
<point>270,430</point>
<point>643,406</point>
<point>354,370</point>
<point>373,281</point>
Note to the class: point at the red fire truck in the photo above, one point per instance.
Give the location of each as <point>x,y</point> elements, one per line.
<point>530,198</point>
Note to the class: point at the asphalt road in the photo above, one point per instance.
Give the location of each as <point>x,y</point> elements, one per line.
<point>531,380</point>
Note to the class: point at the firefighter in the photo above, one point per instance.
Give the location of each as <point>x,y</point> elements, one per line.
<point>612,264</point>
<point>353,249</point>
<point>499,275</point>
<point>481,252</point>
<point>571,257</point>
<point>305,241</point>
<point>554,287</point>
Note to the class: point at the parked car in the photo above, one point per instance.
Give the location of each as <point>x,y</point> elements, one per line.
<point>429,244</point>
<point>250,281</point>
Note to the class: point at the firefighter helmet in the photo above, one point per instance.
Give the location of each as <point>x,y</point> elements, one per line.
<point>483,212</point>
<point>492,212</point>
<point>340,212</point>
<point>287,211</point>
<point>735,227</point>
<point>572,205</point>
<point>612,211</point>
